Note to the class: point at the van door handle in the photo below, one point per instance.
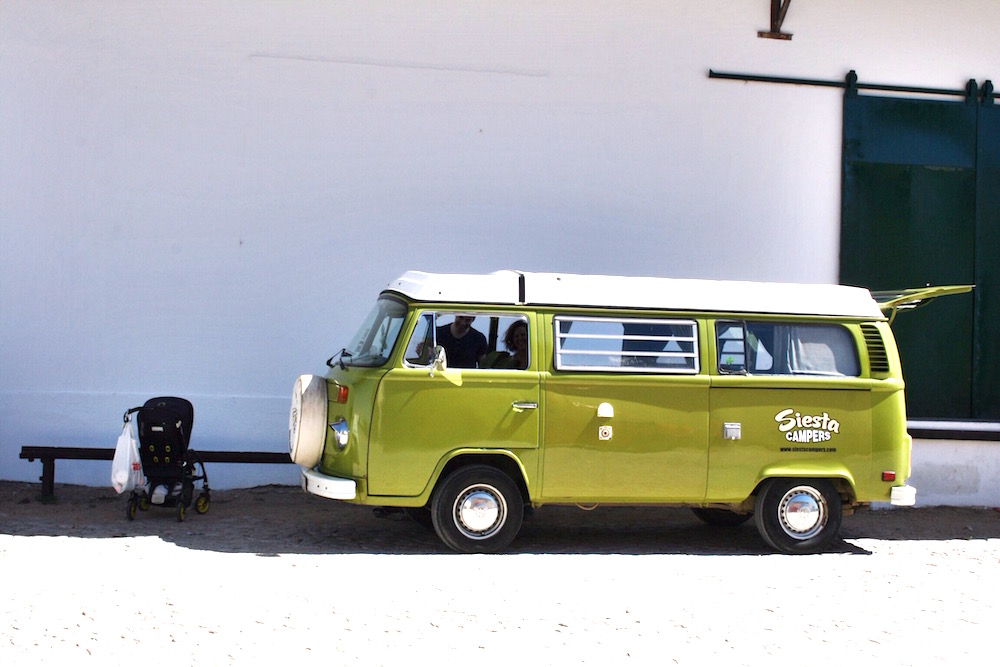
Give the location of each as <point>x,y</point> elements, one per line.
<point>521,406</point>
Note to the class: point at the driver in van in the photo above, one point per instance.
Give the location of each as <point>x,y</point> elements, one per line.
<point>466,347</point>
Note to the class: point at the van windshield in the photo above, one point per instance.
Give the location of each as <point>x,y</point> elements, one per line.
<point>373,343</point>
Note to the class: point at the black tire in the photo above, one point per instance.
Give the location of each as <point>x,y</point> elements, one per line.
<point>181,511</point>
<point>798,516</point>
<point>477,509</point>
<point>131,509</point>
<point>721,518</point>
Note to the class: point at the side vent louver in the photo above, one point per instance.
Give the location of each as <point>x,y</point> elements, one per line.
<point>877,356</point>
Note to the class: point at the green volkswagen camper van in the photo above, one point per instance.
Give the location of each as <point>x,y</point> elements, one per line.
<point>465,399</point>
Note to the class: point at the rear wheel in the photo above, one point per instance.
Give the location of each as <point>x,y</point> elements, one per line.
<point>798,516</point>
<point>181,511</point>
<point>132,509</point>
<point>477,509</point>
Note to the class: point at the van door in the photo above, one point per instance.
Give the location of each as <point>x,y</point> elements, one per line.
<point>626,411</point>
<point>787,401</point>
<point>421,414</point>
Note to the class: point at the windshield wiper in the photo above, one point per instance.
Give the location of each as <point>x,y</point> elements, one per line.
<point>340,358</point>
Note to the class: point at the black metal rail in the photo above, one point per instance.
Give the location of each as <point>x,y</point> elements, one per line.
<point>971,91</point>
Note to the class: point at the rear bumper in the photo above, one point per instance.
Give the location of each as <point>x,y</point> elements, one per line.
<point>903,496</point>
<point>335,488</point>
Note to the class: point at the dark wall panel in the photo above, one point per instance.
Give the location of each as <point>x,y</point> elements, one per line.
<point>986,370</point>
<point>909,218</point>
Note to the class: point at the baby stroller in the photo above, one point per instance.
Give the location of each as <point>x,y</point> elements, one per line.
<point>171,469</point>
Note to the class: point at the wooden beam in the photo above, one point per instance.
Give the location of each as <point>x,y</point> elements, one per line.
<point>48,456</point>
<point>778,10</point>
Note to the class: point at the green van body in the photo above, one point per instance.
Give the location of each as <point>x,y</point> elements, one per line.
<point>636,391</point>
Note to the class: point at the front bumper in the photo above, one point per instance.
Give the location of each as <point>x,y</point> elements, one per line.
<point>903,496</point>
<point>335,488</point>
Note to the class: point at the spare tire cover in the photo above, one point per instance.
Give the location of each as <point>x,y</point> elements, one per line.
<point>307,420</point>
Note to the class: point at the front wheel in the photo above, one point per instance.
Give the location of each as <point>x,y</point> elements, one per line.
<point>798,516</point>
<point>477,509</point>
<point>201,505</point>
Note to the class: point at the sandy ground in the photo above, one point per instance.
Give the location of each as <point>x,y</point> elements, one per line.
<point>273,574</point>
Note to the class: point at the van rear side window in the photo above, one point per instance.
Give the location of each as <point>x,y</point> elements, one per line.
<point>626,345</point>
<point>777,348</point>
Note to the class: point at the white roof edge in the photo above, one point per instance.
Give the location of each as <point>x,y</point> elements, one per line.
<point>565,289</point>
<point>501,287</point>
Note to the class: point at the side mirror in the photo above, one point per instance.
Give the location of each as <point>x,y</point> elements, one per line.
<point>440,362</point>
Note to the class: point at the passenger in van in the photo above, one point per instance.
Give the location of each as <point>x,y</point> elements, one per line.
<point>466,347</point>
<point>516,341</point>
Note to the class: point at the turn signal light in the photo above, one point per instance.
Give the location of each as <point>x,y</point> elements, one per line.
<point>341,394</point>
<point>888,476</point>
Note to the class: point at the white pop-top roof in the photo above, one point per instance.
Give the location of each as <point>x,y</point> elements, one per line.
<point>563,289</point>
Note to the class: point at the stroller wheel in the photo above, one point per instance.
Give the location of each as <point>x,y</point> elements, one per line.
<point>181,511</point>
<point>131,509</point>
<point>201,505</point>
<point>144,503</point>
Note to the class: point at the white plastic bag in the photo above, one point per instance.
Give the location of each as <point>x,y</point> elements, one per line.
<point>126,467</point>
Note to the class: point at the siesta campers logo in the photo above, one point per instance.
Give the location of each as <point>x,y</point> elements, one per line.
<point>798,427</point>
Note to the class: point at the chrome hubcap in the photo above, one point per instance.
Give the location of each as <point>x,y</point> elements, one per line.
<point>480,511</point>
<point>802,512</point>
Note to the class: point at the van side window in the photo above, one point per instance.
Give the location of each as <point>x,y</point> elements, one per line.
<point>419,351</point>
<point>626,345</point>
<point>730,344</point>
<point>784,348</point>
<point>478,340</point>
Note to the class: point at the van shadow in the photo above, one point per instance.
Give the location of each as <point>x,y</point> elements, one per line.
<point>275,520</point>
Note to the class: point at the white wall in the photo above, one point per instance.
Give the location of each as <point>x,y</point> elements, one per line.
<point>952,472</point>
<point>202,198</point>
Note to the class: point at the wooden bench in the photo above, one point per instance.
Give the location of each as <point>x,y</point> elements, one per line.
<point>48,456</point>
